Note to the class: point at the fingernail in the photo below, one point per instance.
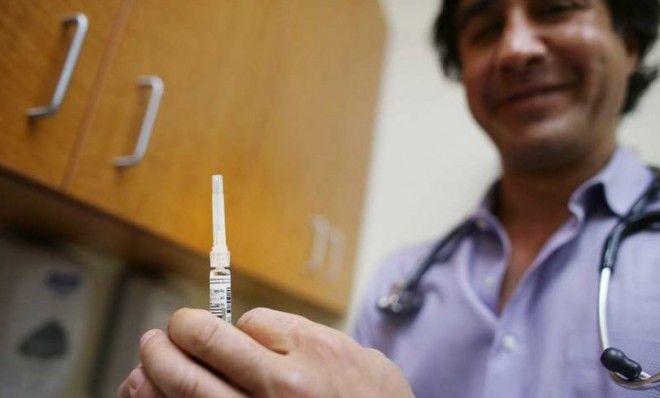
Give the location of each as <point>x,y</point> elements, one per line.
<point>135,380</point>
<point>148,335</point>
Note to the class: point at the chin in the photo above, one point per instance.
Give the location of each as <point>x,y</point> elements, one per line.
<point>545,149</point>
<point>541,156</point>
<point>542,142</point>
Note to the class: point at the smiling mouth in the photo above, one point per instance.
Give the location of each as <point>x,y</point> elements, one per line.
<point>522,96</point>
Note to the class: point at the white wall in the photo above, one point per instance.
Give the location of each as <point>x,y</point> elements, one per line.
<point>430,162</point>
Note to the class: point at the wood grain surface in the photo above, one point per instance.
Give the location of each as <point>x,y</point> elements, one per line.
<point>33,44</point>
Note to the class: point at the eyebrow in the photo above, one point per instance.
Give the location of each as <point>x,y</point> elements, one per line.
<point>473,10</point>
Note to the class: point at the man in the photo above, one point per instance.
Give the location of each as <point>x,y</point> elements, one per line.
<point>512,310</point>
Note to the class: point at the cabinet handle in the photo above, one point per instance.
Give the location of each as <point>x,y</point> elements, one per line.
<point>81,22</point>
<point>321,227</point>
<point>144,136</point>
<point>338,244</point>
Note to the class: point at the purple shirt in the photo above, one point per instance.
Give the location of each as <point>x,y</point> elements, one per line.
<point>545,342</point>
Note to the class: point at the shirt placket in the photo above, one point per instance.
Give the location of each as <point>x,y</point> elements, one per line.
<point>506,372</point>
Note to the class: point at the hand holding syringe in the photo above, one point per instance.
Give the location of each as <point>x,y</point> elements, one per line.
<point>250,358</point>
<point>220,274</point>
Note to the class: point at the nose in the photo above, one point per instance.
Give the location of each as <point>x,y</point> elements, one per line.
<point>520,47</point>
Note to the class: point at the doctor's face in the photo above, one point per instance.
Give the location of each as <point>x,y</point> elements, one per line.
<point>545,79</point>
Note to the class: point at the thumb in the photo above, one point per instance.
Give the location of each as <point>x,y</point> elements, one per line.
<point>278,331</point>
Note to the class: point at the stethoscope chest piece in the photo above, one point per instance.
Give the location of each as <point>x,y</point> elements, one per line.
<point>401,301</point>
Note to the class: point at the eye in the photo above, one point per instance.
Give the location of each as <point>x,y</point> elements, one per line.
<point>557,9</point>
<point>485,30</point>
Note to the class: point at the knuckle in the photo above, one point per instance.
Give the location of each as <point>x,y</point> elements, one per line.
<point>291,383</point>
<point>187,386</point>
<point>297,322</point>
<point>245,319</point>
<point>248,317</point>
<point>297,330</point>
<point>203,339</point>
<point>261,312</point>
<point>329,344</point>
<point>294,323</point>
<point>332,345</point>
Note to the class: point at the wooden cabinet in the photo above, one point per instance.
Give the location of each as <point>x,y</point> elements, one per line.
<point>277,96</point>
<point>314,150</point>
<point>34,43</point>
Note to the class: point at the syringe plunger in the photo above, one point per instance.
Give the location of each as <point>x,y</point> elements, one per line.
<point>218,207</point>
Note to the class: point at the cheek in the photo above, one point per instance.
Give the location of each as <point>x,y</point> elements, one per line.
<point>603,78</point>
<point>581,60</point>
<point>475,79</point>
<point>595,58</point>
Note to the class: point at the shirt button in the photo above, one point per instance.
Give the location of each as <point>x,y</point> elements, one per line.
<point>490,281</point>
<point>509,342</point>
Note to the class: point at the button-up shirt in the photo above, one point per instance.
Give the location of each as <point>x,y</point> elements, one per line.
<point>544,342</point>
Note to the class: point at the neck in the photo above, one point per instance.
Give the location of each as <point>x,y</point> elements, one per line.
<point>541,197</point>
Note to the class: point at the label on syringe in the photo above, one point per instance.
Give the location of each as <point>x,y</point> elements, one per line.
<point>220,296</point>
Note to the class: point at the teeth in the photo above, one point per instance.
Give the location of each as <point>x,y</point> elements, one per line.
<point>533,94</point>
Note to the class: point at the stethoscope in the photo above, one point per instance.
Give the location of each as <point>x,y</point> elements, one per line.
<point>405,299</point>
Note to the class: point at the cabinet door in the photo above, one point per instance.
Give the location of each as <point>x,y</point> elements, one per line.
<point>210,57</point>
<point>34,43</point>
<point>313,156</point>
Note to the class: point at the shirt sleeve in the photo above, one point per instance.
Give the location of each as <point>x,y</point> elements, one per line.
<point>363,330</point>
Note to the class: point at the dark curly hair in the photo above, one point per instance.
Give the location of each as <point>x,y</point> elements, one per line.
<point>640,17</point>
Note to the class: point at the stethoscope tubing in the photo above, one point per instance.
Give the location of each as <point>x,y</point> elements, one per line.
<point>628,226</point>
<point>646,381</point>
<point>404,299</point>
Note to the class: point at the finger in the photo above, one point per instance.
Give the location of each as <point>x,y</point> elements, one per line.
<point>148,390</point>
<point>122,391</point>
<point>138,385</point>
<point>222,347</point>
<point>175,374</point>
<point>276,330</point>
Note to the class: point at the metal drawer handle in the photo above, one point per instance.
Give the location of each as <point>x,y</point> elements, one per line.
<point>81,22</point>
<point>321,227</point>
<point>144,136</point>
<point>338,244</point>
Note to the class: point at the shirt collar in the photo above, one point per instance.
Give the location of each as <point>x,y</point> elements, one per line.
<point>623,179</point>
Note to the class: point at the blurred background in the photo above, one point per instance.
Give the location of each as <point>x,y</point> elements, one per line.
<point>338,139</point>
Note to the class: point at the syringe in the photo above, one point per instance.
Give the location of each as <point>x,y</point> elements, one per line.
<point>220,274</point>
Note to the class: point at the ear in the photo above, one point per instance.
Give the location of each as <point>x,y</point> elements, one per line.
<point>631,43</point>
